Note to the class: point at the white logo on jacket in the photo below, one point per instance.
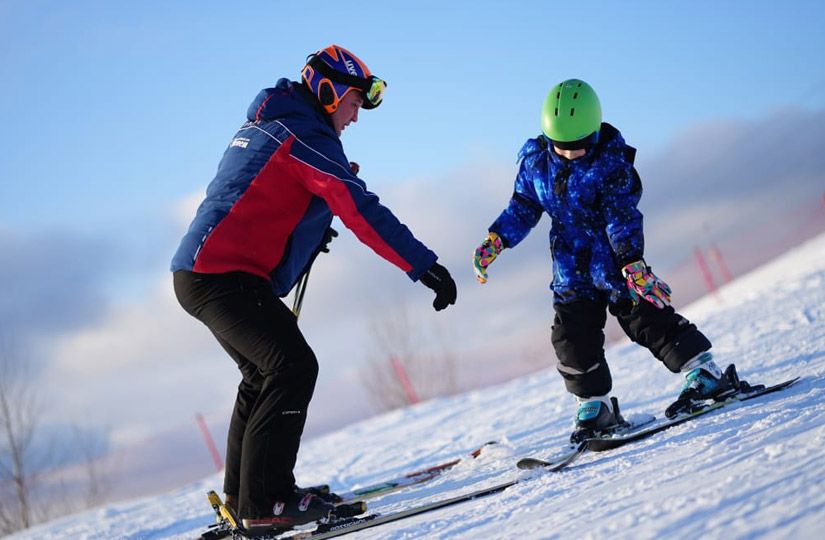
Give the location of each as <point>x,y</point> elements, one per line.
<point>240,142</point>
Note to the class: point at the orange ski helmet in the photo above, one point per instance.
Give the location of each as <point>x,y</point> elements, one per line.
<point>333,72</point>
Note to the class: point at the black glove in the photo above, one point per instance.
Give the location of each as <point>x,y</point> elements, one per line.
<point>328,236</point>
<point>439,280</point>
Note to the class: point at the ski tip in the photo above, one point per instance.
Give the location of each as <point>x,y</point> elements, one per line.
<point>477,452</point>
<point>214,499</point>
<point>528,464</point>
<point>762,389</point>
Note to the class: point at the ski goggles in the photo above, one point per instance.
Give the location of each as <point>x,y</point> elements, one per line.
<point>582,144</point>
<point>374,95</point>
<point>371,87</point>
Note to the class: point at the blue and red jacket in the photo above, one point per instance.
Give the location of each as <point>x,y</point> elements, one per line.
<point>281,180</point>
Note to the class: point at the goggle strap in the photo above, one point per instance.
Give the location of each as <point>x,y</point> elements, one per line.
<point>587,142</point>
<point>361,83</point>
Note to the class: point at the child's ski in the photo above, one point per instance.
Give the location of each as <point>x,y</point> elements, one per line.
<point>601,444</point>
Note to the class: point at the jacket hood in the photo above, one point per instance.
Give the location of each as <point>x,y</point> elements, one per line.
<point>612,142</point>
<point>286,99</point>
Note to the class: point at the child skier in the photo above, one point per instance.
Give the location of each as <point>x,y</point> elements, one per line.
<point>580,171</point>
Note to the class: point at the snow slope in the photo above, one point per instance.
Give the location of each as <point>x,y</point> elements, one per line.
<point>752,471</point>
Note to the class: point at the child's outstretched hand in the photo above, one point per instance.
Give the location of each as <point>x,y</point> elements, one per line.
<point>485,254</point>
<point>642,282</point>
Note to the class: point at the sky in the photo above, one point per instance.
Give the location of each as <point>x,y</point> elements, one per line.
<point>115,114</point>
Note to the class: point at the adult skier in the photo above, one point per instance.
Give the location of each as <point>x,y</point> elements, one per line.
<point>266,214</point>
<point>580,171</point>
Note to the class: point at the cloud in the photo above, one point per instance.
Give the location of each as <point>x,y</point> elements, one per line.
<point>146,365</point>
<point>720,178</point>
<point>184,210</point>
<point>53,282</point>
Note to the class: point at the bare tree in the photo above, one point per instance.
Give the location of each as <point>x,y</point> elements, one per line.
<point>36,481</point>
<point>19,416</point>
<point>418,350</point>
<point>91,446</point>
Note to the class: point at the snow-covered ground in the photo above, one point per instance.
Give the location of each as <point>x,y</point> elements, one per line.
<point>751,471</point>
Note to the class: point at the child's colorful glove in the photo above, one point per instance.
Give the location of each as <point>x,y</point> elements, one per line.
<point>485,254</point>
<point>642,282</point>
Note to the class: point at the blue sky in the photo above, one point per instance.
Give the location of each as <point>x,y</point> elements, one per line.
<point>115,114</point>
<point>112,102</point>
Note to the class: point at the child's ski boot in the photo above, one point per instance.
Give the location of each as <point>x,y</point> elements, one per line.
<point>597,417</point>
<point>704,380</point>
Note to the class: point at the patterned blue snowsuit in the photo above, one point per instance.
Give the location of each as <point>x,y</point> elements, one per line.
<point>592,202</point>
<point>596,229</point>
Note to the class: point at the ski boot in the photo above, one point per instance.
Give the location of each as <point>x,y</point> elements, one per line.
<point>343,509</point>
<point>322,491</point>
<point>704,380</point>
<point>297,508</point>
<point>596,417</point>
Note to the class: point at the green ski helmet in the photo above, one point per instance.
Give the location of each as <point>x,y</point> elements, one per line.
<point>572,115</point>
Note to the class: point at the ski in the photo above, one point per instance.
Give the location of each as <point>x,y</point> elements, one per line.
<point>557,464</point>
<point>341,527</point>
<point>574,450</point>
<point>601,444</point>
<point>227,524</point>
<point>409,479</point>
<point>350,502</point>
<point>598,444</point>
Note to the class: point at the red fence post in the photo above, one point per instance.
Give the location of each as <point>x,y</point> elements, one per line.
<point>404,380</point>
<point>703,267</point>
<point>210,443</point>
<point>720,262</point>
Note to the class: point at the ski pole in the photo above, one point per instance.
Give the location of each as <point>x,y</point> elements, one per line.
<point>301,287</point>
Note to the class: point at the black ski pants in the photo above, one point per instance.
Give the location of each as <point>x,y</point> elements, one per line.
<point>578,339</point>
<point>278,371</point>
